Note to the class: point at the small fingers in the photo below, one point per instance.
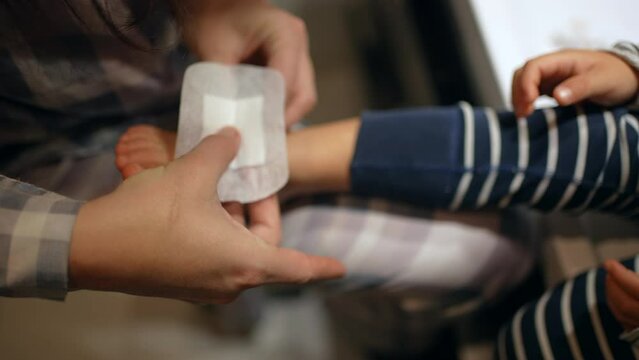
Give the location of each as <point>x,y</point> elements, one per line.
<point>524,92</point>
<point>140,131</point>
<point>593,84</point>
<point>146,159</point>
<point>539,76</point>
<point>143,147</point>
<point>131,170</point>
<point>572,90</point>
<point>125,146</point>
<point>150,134</point>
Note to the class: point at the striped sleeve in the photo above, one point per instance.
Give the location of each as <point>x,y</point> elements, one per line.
<point>565,158</point>
<point>35,232</point>
<point>630,53</point>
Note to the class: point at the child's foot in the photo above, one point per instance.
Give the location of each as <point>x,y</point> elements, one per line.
<point>143,147</point>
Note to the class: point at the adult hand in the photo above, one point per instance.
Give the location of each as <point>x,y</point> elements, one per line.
<point>571,76</point>
<point>253,31</point>
<point>163,232</point>
<point>145,147</point>
<point>622,291</point>
<point>263,218</point>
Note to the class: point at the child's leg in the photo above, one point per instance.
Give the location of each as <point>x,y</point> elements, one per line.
<point>143,147</point>
<point>571,321</point>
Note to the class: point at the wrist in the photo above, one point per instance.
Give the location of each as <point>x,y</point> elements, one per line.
<point>77,261</point>
<point>86,245</point>
<point>629,54</point>
<point>320,156</point>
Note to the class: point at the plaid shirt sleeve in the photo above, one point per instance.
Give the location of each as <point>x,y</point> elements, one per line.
<point>35,233</point>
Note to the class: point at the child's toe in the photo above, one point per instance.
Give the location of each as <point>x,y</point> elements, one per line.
<point>131,169</point>
<point>121,161</point>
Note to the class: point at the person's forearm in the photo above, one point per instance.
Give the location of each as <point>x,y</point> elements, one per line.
<point>473,158</point>
<point>320,156</point>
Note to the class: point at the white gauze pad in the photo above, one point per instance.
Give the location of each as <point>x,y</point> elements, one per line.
<point>251,99</point>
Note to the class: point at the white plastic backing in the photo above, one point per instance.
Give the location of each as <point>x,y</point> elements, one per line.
<point>251,99</point>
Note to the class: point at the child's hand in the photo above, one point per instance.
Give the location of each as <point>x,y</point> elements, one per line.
<point>622,291</point>
<point>571,76</point>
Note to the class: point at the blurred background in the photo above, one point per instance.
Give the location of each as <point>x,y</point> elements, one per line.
<point>368,54</point>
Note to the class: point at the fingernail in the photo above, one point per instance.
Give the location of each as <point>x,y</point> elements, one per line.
<point>564,94</point>
<point>229,132</point>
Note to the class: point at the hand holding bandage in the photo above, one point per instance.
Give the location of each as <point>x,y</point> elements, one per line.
<point>251,99</point>
<point>253,32</point>
<point>163,232</point>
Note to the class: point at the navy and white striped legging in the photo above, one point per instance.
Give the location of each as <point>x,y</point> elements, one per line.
<point>567,158</point>
<point>570,321</point>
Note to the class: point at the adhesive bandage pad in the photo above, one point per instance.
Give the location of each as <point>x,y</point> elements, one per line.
<point>251,99</point>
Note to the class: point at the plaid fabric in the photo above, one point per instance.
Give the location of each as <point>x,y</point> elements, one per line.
<point>409,268</point>
<point>69,76</point>
<point>65,79</point>
<point>35,231</point>
<point>403,249</point>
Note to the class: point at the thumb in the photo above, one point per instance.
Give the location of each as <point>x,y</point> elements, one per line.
<point>291,266</point>
<point>579,88</point>
<point>210,158</point>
